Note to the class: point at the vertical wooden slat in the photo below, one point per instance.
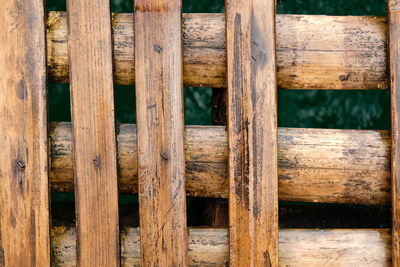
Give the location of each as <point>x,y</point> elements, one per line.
<point>94,142</point>
<point>252,129</point>
<point>160,126</point>
<point>394,63</point>
<point>24,206</point>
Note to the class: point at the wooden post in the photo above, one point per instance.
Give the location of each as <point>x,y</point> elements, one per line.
<point>213,212</point>
<point>24,192</point>
<point>394,64</point>
<point>219,106</point>
<point>94,141</point>
<point>252,130</point>
<point>160,132</point>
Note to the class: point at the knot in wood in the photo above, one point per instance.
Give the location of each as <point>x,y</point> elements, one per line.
<point>21,164</point>
<point>164,156</point>
<point>158,48</point>
<point>96,162</point>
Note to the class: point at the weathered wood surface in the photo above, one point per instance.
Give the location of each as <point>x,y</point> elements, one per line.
<point>94,139</point>
<point>252,133</point>
<point>316,52</point>
<point>394,60</point>
<point>209,247</point>
<point>24,191</point>
<point>314,165</point>
<point>160,132</point>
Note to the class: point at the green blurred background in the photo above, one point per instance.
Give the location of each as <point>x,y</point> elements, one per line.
<point>297,108</point>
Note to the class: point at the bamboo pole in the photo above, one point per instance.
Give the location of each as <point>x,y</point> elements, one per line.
<point>209,247</point>
<point>314,165</point>
<point>313,52</point>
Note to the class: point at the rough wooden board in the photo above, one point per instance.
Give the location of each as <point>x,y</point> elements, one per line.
<point>160,125</point>
<point>313,52</point>
<point>94,140</point>
<point>314,165</point>
<point>24,191</point>
<point>209,247</point>
<point>394,49</point>
<point>252,133</point>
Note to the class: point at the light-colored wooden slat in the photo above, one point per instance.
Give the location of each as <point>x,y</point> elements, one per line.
<point>94,140</point>
<point>209,247</point>
<point>161,155</point>
<point>313,52</point>
<point>314,165</point>
<point>24,192</point>
<point>394,60</point>
<point>252,132</point>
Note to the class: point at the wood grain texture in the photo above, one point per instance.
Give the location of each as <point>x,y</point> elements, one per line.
<point>394,60</point>
<point>159,109</point>
<point>94,140</point>
<point>314,165</point>
<point>252,132</point>
<point>313,52</point>
<point>24,191</point>
<point>209,247</point>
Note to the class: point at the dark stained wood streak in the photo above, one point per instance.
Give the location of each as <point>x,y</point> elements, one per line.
<point>24,191</point>
<point>160,132</point>
<point>94,139</point>
<point>252,132</point>
<point>394,63</point>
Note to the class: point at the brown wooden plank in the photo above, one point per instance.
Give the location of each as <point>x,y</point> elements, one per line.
<point>24,192</point>
<point>394,60</point>
<point>161,156</point>
<point>314,165</point>
<point>94,141</point>
<point>209,247</point>
<point>313,51</point>
<point>252,132</point>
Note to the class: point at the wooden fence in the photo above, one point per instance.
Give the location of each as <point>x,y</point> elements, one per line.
<point>251,162</point>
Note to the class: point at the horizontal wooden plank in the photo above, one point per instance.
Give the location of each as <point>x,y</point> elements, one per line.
<point>209,247</point>
<point>313,51</point>
<point>314,165</point>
